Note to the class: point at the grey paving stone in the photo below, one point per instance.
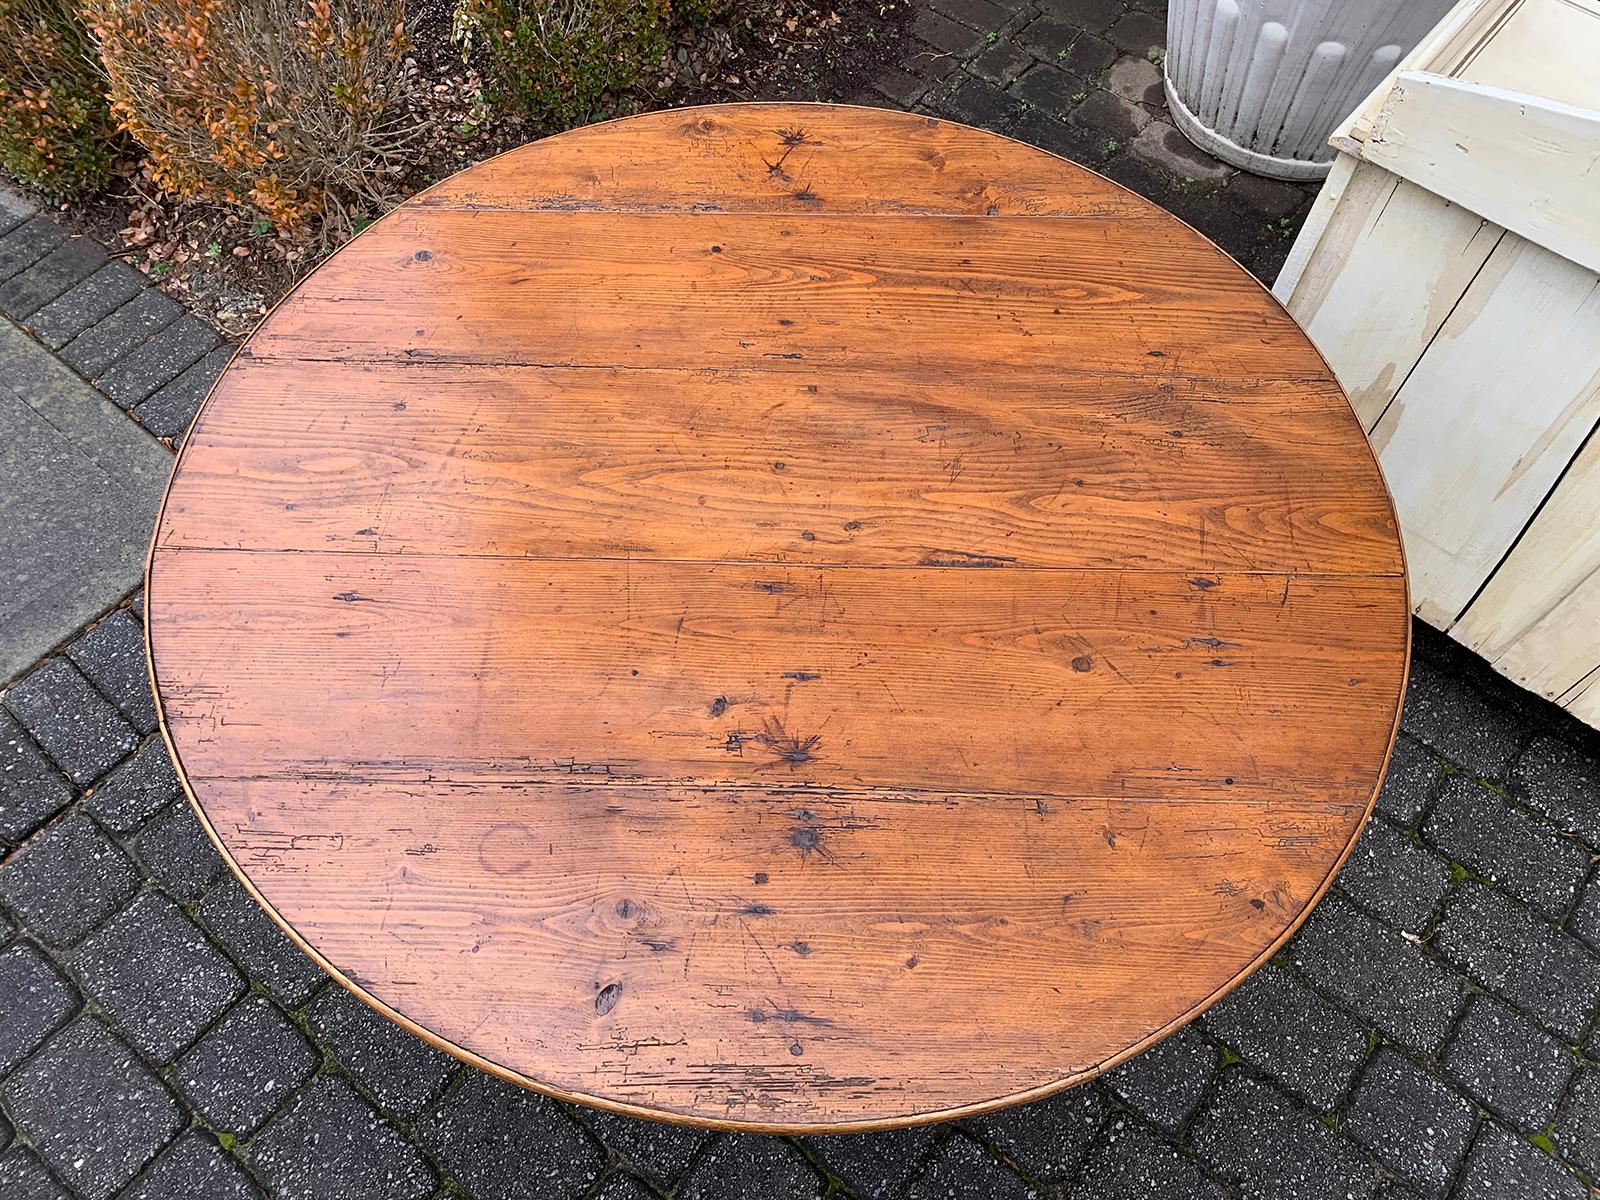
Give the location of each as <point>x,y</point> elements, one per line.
<point>1001,62</point>
<point>1503,1166</point>
<point>112,655</point>
<point>15,207</point>
<point>332,1145</point>
<point>27,243</point>
<point>91,1109</point>
<point>1049,38</point>
<point>1165,1083</point>
<point>1136,79</point>
<point>1562,782</point>
<point>962,1168</point>
<point>194,1168</point>
<point>1413,772</point>
<point>981,15</point>
<point>970,100</point>
<point>1372,969</point>
<point>1513,851</point>
<point>1506,949</point>
<point>1417,1125</point>
<point>1390,875</point>
<point>32,790</point>
<point>109,338</point>
<point>1162,146</point>
<point>1459,721</point>
<point>1074,142</point>
<point>1276,1023</point>
<point>1585,918</point>
<point>137,790</point>
<point>238,1074</point>
<point>85,302</point>
<point>258,945</point>
<point>1508,1064</point>
<point>1255,1136</point>
<point>943,34</point>
<point>80,731</point>
<point>927,63</point>
<point>1138,34</point>
<point>35,998</point>
<point>170,411</point>
<point>902,87</point>
<point>749,1165</point>
<point>66,881</point>
<point>156,976</point>
<point>1084,14</point>
<point>75,522</point>
<point>1110,116</point>
<point>70,262</point>
<point>1130,1162</point>
<point>23,1177</point>
<point>1050,90</point>
<point>401,1070</point>
<point>875,1166</point>
<point>175,852</point>
<point>1088,57</point>
<point>156,362</point>
<point>652,1150</point>
<point>1046,1139</point>
<point>499,1140</point>
<point>1577,1131</point>
<point>1269,199</point>
<point>621,1186</point>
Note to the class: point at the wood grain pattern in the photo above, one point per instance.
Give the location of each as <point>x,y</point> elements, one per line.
<point>783,617</point>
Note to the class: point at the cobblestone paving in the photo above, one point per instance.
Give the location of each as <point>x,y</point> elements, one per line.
<point>1431,1032</point>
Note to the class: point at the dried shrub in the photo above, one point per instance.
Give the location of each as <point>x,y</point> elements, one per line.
<point>293,107</point>
<point>56,133</point>
<point>553,60</point>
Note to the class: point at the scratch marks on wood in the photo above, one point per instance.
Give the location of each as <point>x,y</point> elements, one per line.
<point>794,749</point>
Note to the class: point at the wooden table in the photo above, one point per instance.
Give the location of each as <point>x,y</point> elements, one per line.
<point>781,616</point>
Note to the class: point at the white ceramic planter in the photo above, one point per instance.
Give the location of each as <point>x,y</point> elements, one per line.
<point>1262,83</point>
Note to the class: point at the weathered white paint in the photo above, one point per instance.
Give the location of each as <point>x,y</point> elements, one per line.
<point>1262,83</point>
<point>1522,161</point>
<point>1535,42</point>
<point>1316,223</point>
<point>1553,656</point>
<point>1451,275</point>
<point>1491,413</point>
<point>1388,268</point>
<point>1553,558</point>
<point>1585,703</point>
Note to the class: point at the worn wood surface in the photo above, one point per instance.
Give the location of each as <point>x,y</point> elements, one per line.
<point>791,617</point>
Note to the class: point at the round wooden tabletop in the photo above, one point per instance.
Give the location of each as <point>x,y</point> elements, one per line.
<point>784,616</point>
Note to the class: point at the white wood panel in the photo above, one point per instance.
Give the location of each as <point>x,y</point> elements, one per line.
<point>1553,557</point>
<point>1585,705</point>
<point>1390,264</point>
<point>1306,242</point>
<point>1544,47</point>
<point>1525,162</point>
<point>1557,653</point>
<point>1493,411</point>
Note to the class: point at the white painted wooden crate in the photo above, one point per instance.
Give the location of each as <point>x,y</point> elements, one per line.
<point>1450,272</point>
